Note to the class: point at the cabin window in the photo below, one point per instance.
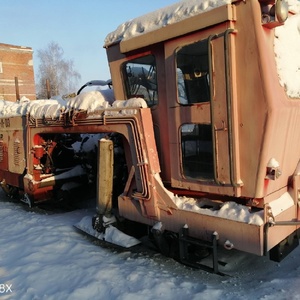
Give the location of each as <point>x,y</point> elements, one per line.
<point>193,73</point>
<point>140,79</point>
<point>197,151</point>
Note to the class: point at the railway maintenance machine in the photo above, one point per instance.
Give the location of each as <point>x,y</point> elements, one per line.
<point>208,126</point>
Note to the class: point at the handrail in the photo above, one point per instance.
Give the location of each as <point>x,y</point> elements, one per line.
<point>228,106</point>
<point>212,115</point>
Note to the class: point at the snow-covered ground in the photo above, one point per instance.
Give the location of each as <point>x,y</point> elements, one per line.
<point>42,256</point>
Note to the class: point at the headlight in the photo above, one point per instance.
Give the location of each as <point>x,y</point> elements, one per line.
<point>281,10</point>
<point>274,14</point>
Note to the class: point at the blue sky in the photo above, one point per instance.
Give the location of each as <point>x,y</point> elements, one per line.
<point>78,26</point>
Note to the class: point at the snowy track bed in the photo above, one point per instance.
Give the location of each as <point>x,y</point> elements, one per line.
<point>42,256</point>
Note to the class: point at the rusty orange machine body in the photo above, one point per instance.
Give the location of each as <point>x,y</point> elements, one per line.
<point>219,128</point>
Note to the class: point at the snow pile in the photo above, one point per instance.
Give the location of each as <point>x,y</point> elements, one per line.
<point>284,202</point>
<point>161,18</point>
<point>287,49</point>
<point>108,95</point>
<point>133,102</point>
<point>88,101</point>
<point>36,108</point>
<point>294,6</point>
<point>103,100</point>
<point>227,210</point>
<point>43,257</point>
<point>204,206</point>
<point>53,108</point>
<point>124,106</point>
<point>111,235</point>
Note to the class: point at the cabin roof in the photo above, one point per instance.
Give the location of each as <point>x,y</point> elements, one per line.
<point>161,18</point>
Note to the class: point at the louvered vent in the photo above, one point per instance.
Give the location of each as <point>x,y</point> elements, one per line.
<point>17,152</point>
<point>1,151</point>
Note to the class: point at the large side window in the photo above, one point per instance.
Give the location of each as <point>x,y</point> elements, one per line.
<point>193,73</point>
<point>140,79</point>
<point>197,151</point>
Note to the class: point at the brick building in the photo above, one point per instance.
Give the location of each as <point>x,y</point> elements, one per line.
<point>16,69</point>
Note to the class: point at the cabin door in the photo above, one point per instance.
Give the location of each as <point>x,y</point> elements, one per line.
<point>200,113</point>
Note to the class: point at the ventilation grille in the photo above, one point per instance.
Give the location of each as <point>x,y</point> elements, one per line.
<point>17,151</point>
<point>1,151</point>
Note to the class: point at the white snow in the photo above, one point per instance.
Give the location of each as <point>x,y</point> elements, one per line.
<point>287,49</point>
<point>43,257</point>
<point>111,235</point>
<point>36,108</point>
<point>227,210</point>
<point>286,44</point>
<point>90,102</point>
<point>161,18</point>
<point>281,204</point>
<point>123,107</point>
<point>133,102</point>
<point>273,163</point>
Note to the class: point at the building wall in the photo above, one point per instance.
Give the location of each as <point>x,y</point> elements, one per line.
<point>16,62</point>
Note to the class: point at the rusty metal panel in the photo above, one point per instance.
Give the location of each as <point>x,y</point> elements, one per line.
<point>15,131</point>
<point>276,234</point>
<point>242,236</point>
<point>3,152</point>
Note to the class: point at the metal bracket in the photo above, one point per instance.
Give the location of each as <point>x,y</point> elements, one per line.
<point>185,241</point>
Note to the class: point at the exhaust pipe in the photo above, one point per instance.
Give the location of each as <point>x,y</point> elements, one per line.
<point>104,223</point>
<point>105,177</point>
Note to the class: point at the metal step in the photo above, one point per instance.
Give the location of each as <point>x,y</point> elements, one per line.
<point>185,241</point>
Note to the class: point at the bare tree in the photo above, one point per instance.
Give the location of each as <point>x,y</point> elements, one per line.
<point>59,71</point>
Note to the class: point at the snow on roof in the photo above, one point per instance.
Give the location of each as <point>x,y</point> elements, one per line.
<point>53,108</point>
<point>286,48</point>
<point>286,45</point>
<point>161,18</point>
<point>41,108</point>
<point>89,101</point>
